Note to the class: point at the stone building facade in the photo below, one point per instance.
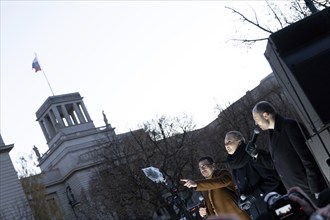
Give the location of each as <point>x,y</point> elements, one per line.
<point>71,137</point>
<point>13,203</point>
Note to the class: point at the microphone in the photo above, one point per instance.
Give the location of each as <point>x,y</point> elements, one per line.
<point>256,132</point>
<point>202,202</point>
<point>202,205</point>
<point>250,148</point>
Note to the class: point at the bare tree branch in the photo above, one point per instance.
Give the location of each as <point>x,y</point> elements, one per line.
<point>250,40</point>
<point>248,20</point>
<point>281,14</point>
<point>275,14</point>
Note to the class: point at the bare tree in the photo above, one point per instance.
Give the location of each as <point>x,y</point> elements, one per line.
<point>35,190</point>
<point>27,166</point>
<point>120,190</point>
<point>275,16</point>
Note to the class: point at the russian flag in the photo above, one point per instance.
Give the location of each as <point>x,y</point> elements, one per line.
<point>35,65</point>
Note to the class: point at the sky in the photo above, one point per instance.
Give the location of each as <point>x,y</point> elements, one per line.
<point>134,60</point>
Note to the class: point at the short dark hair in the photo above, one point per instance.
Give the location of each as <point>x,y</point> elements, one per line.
<point>208,158</point>
<point>264,106</point>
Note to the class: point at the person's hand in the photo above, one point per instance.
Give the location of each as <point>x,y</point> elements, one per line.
<point>202,212</point>
<point>324,212</point>
<point>251,149</point>
<point>305,203</point>
<point>189,183</point>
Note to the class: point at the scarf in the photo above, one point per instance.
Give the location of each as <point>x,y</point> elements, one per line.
<point>240,158</point>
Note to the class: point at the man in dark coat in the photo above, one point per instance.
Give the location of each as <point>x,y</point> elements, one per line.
<point>292,159</point>
<point>218,189</point>
<point>253,180</point>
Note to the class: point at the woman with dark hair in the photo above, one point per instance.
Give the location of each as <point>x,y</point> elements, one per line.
<point>253,180</point>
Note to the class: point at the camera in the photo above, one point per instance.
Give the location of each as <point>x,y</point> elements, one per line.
<point>194,208</point>
<point>281,207</point>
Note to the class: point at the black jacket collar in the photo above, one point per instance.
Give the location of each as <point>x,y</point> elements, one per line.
<point>240,158</point>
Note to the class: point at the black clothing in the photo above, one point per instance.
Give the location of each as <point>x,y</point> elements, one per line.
<point>253,179</point>
<point>292,158</point>
<point>324,198</point>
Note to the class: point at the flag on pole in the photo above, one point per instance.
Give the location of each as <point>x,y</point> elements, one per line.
<point>35,65</point>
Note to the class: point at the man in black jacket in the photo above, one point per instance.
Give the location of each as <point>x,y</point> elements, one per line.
<point>291,157</point>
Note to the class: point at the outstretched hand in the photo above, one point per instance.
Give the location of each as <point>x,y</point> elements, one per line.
<point>189,183</point>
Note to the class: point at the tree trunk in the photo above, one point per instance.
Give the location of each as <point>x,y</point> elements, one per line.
<point>311,6</point>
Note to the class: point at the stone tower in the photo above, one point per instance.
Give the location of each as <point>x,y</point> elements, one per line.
<point>71,137</point>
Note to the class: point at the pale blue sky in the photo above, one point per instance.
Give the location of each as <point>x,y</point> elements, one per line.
<point>135,60</point>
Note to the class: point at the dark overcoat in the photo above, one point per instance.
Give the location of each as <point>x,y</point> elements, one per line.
<point>292,158</point>
<point>220,194</point>
<point>254,180</point>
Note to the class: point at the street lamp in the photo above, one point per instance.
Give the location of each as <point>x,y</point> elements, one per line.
<point>72,201</point>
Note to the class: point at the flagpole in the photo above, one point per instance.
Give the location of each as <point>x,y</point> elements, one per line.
<point>44,75</point>
<point>48,82</point>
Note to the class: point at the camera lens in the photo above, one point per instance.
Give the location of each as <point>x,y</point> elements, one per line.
<point>271,198</point>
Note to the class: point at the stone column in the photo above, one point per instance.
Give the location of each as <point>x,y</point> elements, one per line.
<point>52,119</point>
<point>73,116</point>
<point>49,127</point>
<point>85,111</point>
<point>79,113</point>
<point>66,115</point>
<point>58,116</point>
<point>47,136</point>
